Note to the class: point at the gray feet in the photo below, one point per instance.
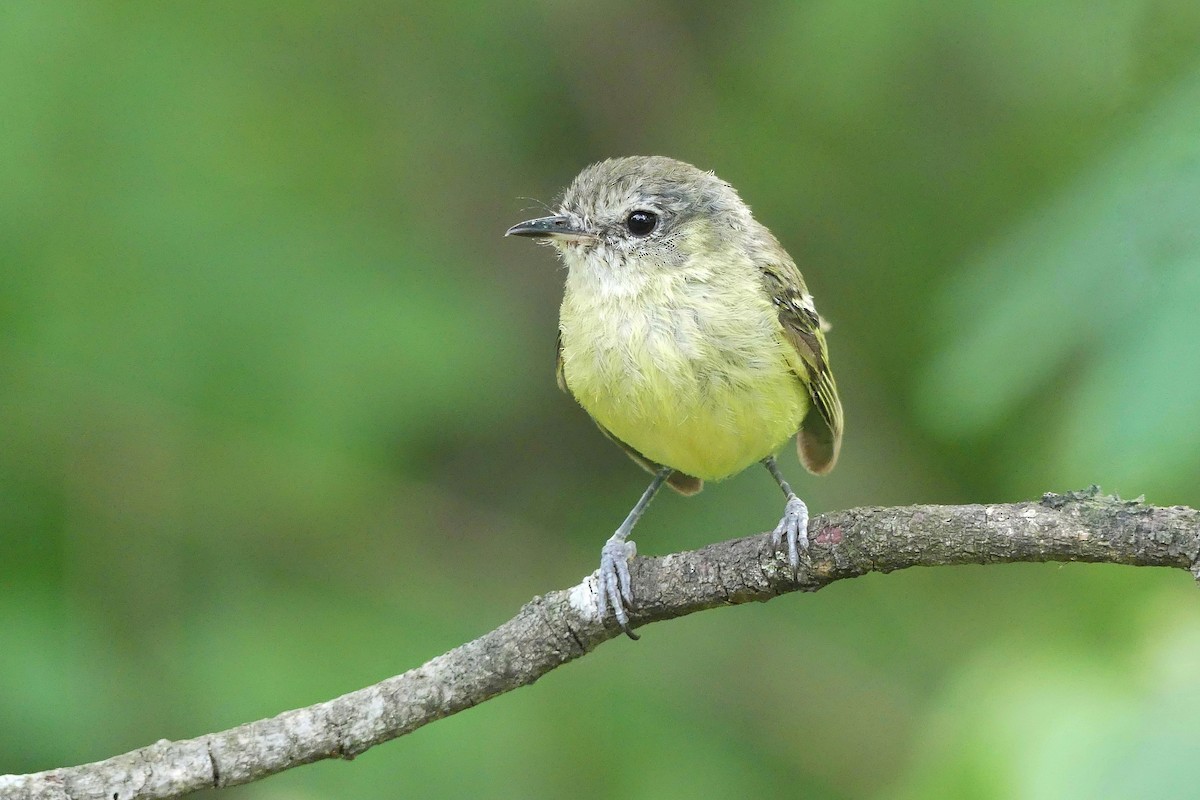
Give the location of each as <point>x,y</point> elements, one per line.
<point>613,581</point>
<point>794,528</point>
<point>613,586</point>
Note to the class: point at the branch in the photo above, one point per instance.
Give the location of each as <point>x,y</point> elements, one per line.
<point>561,626</point>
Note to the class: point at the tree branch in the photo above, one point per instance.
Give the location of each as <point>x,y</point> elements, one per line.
<point>561,626</point>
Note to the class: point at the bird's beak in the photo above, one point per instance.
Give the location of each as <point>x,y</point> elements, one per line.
<point>560,227</point>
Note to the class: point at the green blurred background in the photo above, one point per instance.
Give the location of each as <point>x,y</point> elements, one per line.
<point>278,415</point>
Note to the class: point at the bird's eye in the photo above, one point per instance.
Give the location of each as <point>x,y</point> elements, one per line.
<point>641,223</point>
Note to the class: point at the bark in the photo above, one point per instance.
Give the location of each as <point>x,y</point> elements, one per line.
<point>561,626</point>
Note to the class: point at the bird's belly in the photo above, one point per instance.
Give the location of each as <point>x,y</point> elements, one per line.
<point>707,406</point>
<point>707,441</point>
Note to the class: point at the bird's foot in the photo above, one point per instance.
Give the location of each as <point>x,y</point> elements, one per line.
<point>794,529</point>
<point>614,586</point>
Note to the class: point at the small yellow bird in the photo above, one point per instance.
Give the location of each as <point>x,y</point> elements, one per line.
<point>687,333</point>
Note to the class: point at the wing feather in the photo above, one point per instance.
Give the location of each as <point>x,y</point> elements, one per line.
<point>820,436</point>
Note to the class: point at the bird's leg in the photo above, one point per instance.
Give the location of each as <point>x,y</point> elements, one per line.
<point>614,587</point>
<point>794,525</point>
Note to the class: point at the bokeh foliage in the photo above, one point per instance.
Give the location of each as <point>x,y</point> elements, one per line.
<point>279,418</point>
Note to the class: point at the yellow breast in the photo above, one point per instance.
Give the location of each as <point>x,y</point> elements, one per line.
<point>691,374</point>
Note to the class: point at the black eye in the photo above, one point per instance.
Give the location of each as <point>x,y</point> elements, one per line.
<point>641,223</point>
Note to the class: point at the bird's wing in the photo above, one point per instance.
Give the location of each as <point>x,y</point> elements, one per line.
<point>820,436</point>
<point>560,376</point>
<point>679,481</point>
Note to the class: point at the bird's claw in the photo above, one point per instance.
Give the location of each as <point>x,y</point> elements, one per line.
<point>794,528</point>
<point>614,587</point>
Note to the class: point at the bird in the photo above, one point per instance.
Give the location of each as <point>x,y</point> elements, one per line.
<point>687,333</point>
